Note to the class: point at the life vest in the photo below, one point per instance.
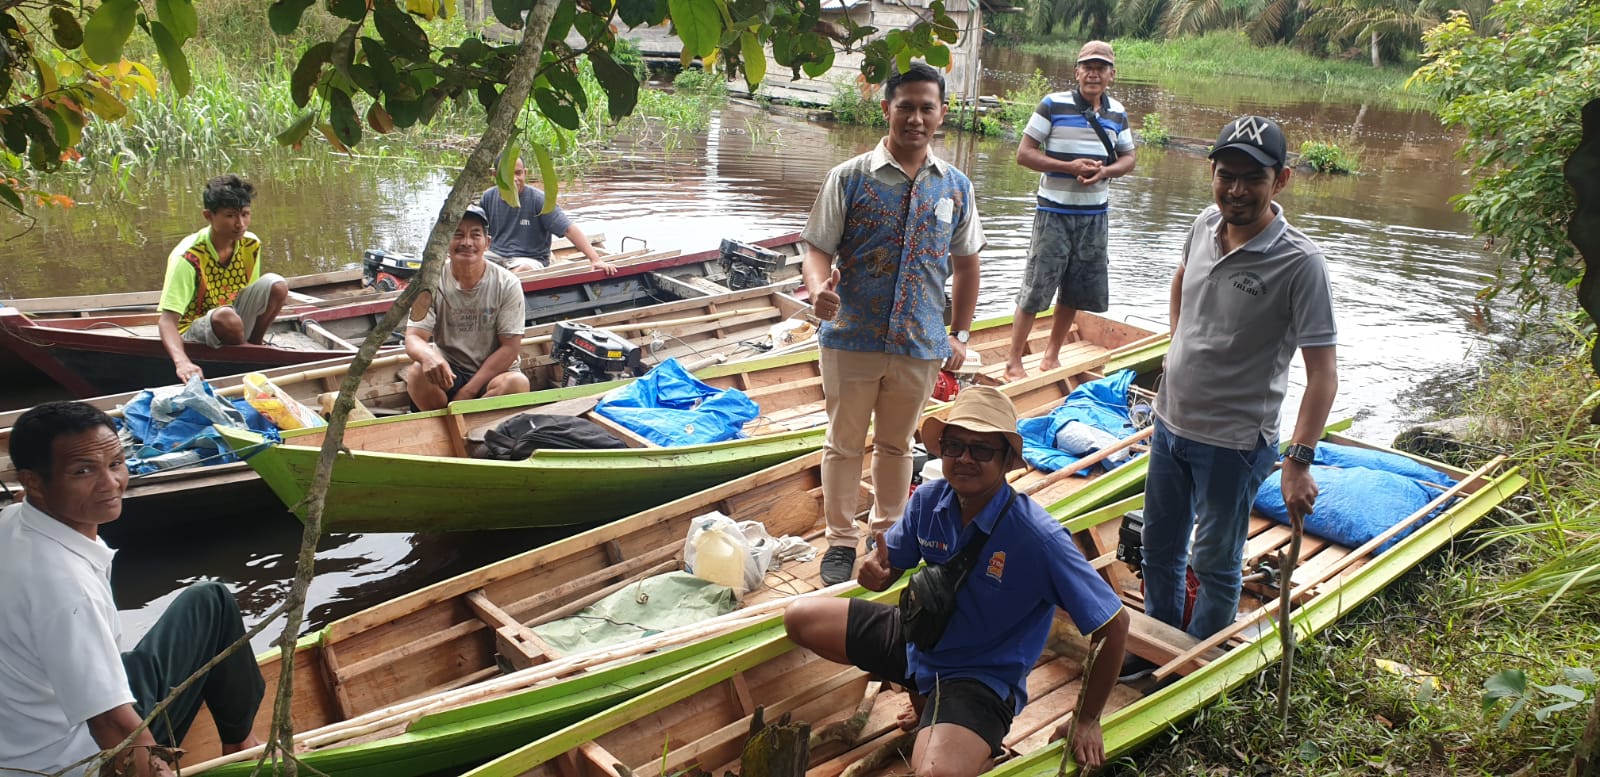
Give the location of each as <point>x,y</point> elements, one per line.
<point>217,284</point>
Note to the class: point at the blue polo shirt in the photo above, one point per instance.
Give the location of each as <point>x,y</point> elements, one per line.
<point>1029,567</point>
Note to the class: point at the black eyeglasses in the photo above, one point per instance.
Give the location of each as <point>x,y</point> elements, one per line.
<point>952,449</point>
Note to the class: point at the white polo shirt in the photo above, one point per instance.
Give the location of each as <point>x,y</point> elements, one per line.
<point>59,661</point>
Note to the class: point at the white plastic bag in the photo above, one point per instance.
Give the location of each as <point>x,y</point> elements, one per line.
<point>716,550</point>
<point>1080,439</point>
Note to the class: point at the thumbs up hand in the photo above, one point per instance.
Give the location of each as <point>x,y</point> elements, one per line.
<point>825,301</point>
<point>876,573</point>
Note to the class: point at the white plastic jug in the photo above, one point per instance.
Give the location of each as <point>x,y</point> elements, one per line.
<point>718,559</point>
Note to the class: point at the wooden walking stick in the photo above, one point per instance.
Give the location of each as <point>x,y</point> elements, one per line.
<point>1297,527</point>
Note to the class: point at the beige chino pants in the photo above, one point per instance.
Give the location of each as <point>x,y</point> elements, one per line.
<point>889,392</point>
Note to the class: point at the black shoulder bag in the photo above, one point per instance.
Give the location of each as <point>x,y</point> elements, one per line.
<point>1094,123</point>
<point>928,601</point>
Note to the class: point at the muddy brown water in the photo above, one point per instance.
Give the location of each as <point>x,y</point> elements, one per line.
<point>1404,266</point>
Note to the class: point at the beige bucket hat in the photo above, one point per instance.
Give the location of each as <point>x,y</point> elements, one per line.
<point>978,409</point>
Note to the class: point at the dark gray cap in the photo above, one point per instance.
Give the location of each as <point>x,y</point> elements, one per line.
<point>1258,136</point>
<point>475,212</point>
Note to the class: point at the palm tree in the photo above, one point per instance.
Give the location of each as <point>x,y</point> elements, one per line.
<point>1093,17</point>
<point>1345,21</point>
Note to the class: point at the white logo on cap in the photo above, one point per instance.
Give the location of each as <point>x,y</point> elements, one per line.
<point>1250,126</point>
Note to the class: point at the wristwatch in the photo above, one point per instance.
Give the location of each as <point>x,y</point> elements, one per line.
<point>1301,453</point>
<point>962,336</point>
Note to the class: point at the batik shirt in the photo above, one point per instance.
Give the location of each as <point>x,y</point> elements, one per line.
<point>894,236</point>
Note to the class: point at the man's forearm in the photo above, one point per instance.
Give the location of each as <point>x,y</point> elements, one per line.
<point>580,241</point>
<point>964,291</point>
<point>171,338</point>
<point>1123,165</point>
<point>1034,158</point>
<point>816,268</point>
<point>1113,638</point>
<point>1322,385</point>
<point>499,360</point>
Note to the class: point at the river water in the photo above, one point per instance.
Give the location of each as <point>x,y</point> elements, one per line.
<point>1404,267</point>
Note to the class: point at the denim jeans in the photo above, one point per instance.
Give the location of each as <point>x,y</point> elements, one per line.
<point>1207,489</point>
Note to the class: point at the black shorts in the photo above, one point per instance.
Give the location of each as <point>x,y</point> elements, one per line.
<point>873,642</point>
<point>462,376</point>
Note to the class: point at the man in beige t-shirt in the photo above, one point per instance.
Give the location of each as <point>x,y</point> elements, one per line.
<point>469,343</point>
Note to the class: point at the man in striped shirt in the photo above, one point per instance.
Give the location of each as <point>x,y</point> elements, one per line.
<point>1076,162</point>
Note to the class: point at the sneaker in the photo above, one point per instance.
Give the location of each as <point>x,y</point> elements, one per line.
<point>1135,668</point>
<point>838,564</point>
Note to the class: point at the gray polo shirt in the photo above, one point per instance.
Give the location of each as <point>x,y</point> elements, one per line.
<point>1243,315</point>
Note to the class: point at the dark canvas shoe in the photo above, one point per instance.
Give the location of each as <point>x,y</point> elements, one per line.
<point>1135,668</point>
<point>838,564</point>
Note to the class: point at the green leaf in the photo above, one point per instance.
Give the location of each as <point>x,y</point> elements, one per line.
<point>698,23</point>
<point>561,23</point>
<point>404,112</point>
<point>487,95</point>
<point>505,172</point>
<point>937,55</point>
<point>510,12</point>
<point>1505,720</point>
<point>1544,712</point>
<point>471,50</point>
<point>172,56</point>
<point>64,28</point>
<point>1564,691</point>
<point>754,57</point>
<point>641,12</point>
<point>108,30</point>
<point>11,198</point>
<point>179,17</point>
<point>816,67</point>
<point>404,36</point>
<point>621,85</point>
<point>1505,684</point>
<point>561,113</point>
<point>565,83</point>
<point>1579,675</point>
<point>547,174</point>
<point>351,10</point>
<point>345,122</point>
<point>594,28</point>
<point>284,15</point>
<point>344,49</point>
<point>308,71</point>
<point>298,130</point>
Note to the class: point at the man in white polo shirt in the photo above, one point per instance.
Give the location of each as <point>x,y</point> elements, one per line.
<point>66,690</point>
<point>1249,291</point>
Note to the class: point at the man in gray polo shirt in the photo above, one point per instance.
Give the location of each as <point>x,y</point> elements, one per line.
<point>1249,291</point>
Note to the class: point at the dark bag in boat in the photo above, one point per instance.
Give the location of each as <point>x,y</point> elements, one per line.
<point>929,600</point>
<point>517,437</point>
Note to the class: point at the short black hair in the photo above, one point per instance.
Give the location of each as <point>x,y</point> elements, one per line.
<point>227,191</point>
<point>920,71</point>
<point>33,437</point>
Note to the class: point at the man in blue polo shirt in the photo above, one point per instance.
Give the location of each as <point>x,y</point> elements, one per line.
<point>1076,162</point>
<point>889,227</point>
<point>1027,566</point>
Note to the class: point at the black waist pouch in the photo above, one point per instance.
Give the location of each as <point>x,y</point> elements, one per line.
<point>928,601</point>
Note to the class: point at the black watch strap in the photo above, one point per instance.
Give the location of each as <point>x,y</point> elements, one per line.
<point>1304,454</point>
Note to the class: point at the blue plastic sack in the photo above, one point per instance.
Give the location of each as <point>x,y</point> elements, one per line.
<point>1336,455</point>
<point>1101,403</point>
<point>1355,504</point>
<point>171,419</point>
<point>670,407</point>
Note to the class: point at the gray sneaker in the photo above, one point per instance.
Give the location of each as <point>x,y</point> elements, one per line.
<point>838,564</point>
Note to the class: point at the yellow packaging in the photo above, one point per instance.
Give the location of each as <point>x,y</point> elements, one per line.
<point>278,406</point>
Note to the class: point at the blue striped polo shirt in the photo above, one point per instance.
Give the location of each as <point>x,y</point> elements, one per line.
<point>1063,133</point>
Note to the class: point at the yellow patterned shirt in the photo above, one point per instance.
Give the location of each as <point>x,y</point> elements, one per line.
<point>197,281</point>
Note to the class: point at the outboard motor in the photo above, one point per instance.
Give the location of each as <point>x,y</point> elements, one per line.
<point>748,266</point>
<point>386,271</point>
<point>590,355</point>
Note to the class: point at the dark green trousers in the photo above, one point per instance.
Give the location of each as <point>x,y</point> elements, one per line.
<point>201,622</point>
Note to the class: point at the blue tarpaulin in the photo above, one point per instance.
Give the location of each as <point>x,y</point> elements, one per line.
<point>668,407</point>
<point>172,419</point>
<point>1102,404</point>
<point>1360,494</point>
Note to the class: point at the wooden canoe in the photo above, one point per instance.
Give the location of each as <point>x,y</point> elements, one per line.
<point>700,721</point>
<point>722,328</point>
<point>97,355</point>
<point>407,473</point>
<point>377,688</point>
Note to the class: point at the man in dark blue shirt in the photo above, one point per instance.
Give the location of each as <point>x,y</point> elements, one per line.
<point>1026,567</point>
<point>520,237</point>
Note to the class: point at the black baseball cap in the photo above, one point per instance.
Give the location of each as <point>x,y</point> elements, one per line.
<point>1258,136</point>
<point>475,212</point>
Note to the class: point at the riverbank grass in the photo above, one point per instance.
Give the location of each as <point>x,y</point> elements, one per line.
<point>1479,661</point>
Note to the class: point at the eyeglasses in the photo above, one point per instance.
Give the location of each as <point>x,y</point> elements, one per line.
<point>952,449</point>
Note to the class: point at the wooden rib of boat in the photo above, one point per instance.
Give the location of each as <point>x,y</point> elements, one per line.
<point>416,685</point>
<point>406,473</point>
<point>700,721</point>
<point>715,329</point>
<point>97,355</point>
<point>303,289</point>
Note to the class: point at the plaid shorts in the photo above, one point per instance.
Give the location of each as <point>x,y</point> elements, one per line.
<point>1067,262</point>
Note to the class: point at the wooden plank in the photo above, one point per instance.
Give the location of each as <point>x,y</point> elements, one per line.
<point>335,683</point>
<point>516,642</point>
<point>619,431</point>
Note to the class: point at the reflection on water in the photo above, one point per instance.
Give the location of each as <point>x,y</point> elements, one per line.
<point>1404,268</point>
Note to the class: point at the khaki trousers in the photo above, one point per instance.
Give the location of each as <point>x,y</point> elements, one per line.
<point>889,392</point>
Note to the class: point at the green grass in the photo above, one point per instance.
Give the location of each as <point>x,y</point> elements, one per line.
<point>1492,606</point>
<point>1232,54</point>
<point>1329,157</point>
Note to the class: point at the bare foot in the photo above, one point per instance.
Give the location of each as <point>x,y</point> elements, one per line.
<point>908,718</point>
<point>1015,371</point>
<point>1050,363</point>
<point>249,742</point>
